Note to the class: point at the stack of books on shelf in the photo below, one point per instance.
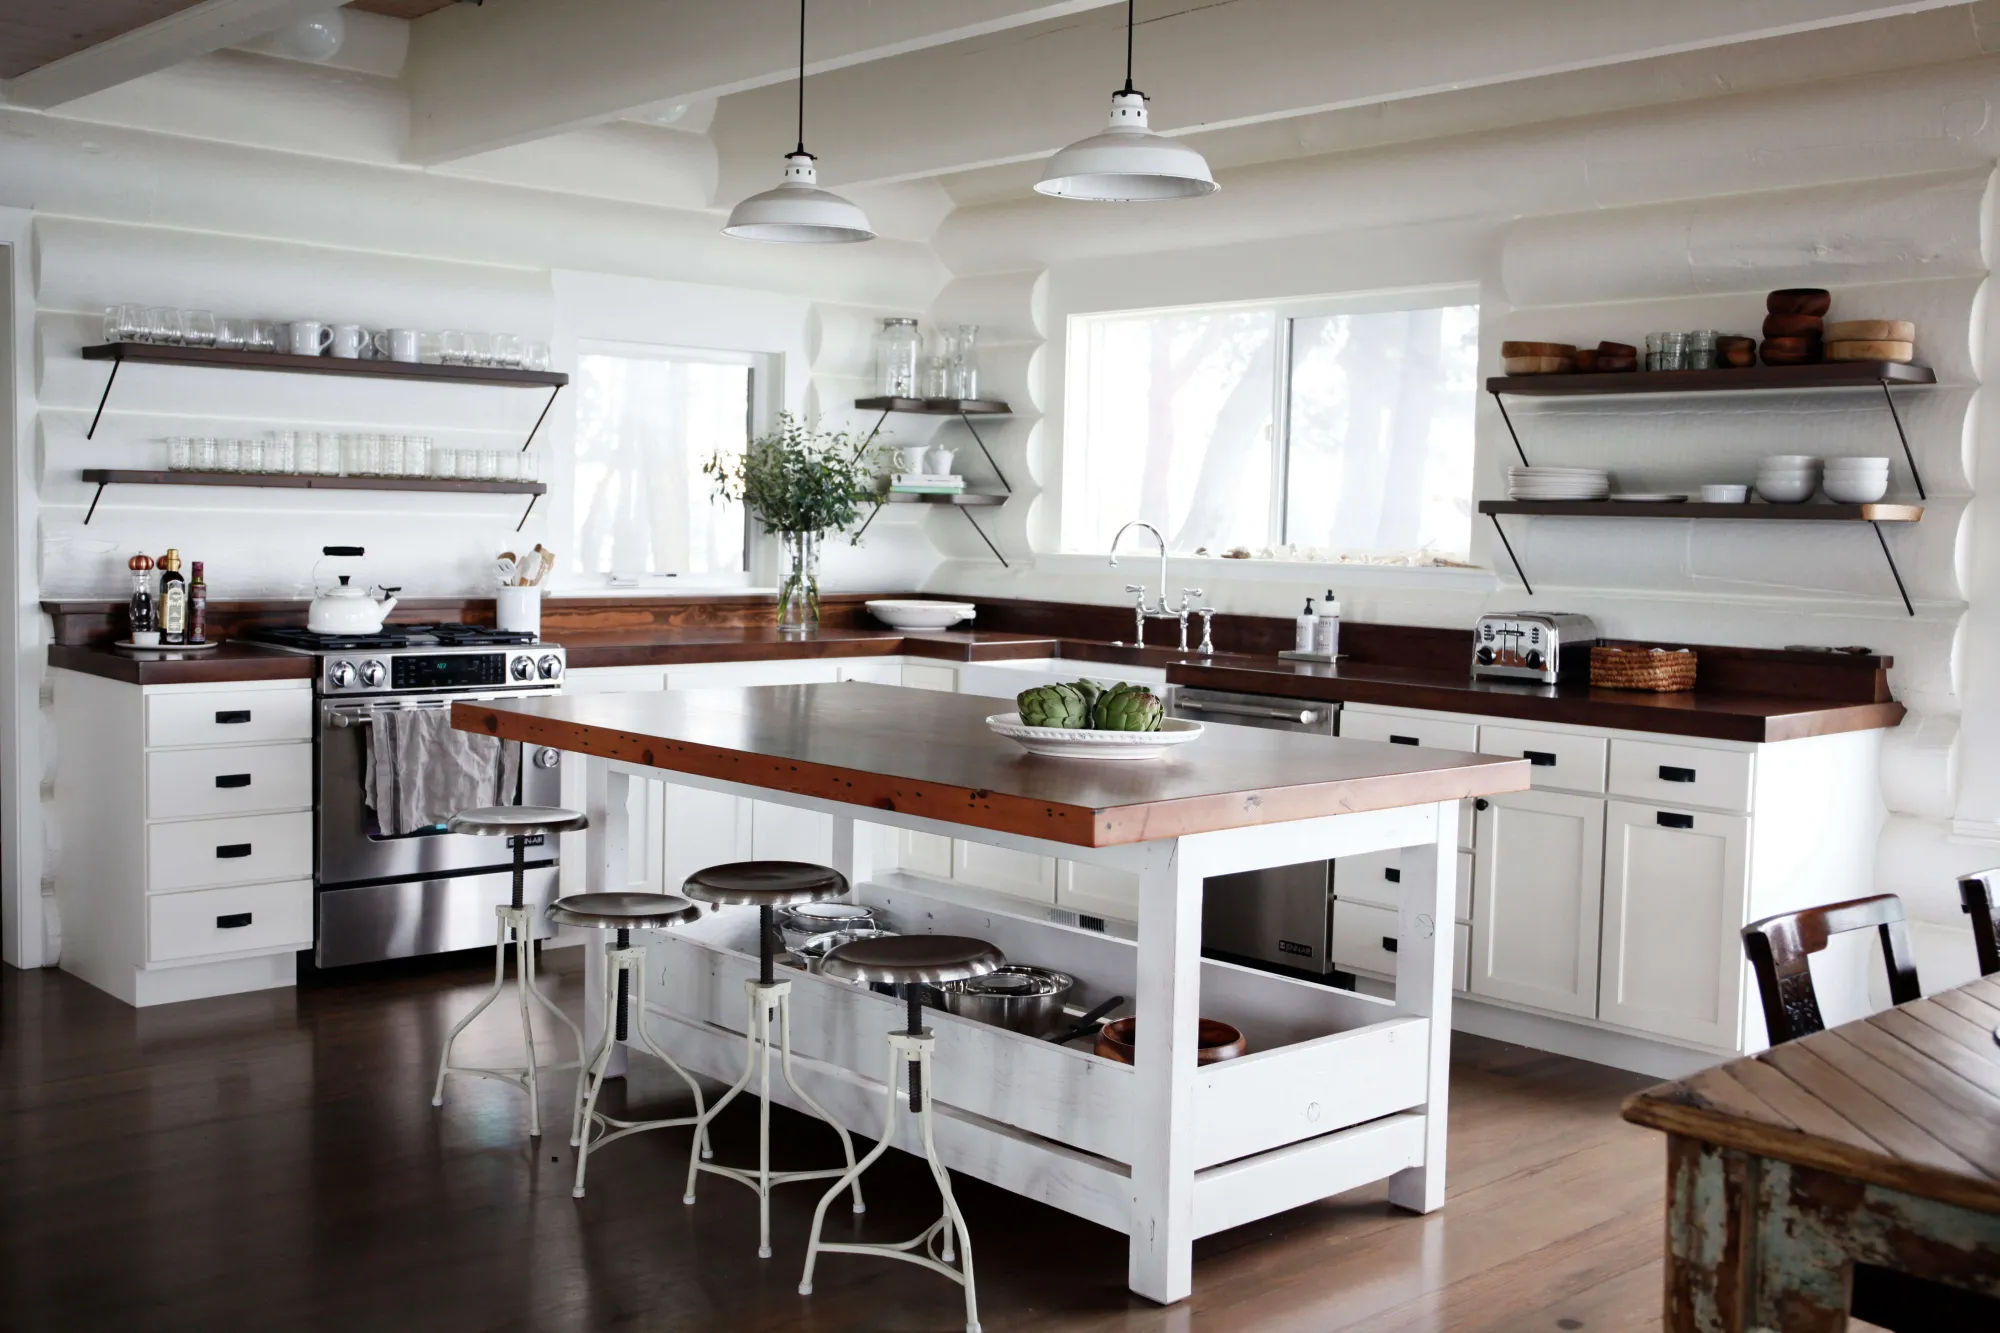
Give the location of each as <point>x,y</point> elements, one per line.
<point>925,483</point>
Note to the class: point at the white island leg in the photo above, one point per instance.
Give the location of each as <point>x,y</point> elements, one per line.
<point>1160,1262</point>
<point>1423,988</point>
<point>608,870</point>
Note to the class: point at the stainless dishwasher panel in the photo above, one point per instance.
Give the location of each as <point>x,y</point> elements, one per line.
<point>1283,915</point>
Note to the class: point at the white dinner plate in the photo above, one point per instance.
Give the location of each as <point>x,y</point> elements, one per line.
<point>1078,743</point>
<point>919,614</point>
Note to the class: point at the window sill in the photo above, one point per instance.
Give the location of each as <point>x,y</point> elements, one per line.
<point>1213,569</point>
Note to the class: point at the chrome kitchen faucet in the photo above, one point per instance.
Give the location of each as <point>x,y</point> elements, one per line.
<point>1141,613</point>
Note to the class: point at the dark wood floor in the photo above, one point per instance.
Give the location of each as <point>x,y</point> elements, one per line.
<point>273,1162</point>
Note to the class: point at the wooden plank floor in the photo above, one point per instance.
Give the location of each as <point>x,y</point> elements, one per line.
<point>273,1162</point>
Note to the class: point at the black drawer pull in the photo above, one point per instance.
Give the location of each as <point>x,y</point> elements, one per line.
<point>1481,803</point>
<point>1402,740</point>
<point>1539,758</point>
<point>230,716</point>
<point>1393,875</point>
<point>232,779</point>
<point>1674,821</point>
<point>231,851</point>
<point>232,921</point>
<point>1389,944</point>
<point>1668,773</point>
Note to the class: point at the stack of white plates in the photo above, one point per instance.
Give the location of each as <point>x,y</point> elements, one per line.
<point>1558,483</point>
<point>1856,481</point>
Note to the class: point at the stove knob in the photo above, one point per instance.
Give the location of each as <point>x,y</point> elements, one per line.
<point>547,758</point>
<point>550,666</point>
<point>340,675</point>
<point>373,674</point>
<point>1484,656</point>
<point>522,668</point>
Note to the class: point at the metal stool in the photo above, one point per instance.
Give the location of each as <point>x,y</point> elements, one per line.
<point>518,822</point>
<point>768,885</point>
<point>911,962</point>
<point>624,974</point>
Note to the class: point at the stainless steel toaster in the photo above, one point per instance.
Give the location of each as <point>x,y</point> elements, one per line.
<point>1529,645</point>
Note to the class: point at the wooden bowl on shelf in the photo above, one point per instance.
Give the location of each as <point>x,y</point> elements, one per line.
<point>1214,1039</point>
<point>1735,351</point>
<point>1789,351</point>
<point>1793,326</point>
<point>1799,301</point>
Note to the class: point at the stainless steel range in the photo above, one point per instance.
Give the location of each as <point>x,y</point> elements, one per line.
<point>431,891</point>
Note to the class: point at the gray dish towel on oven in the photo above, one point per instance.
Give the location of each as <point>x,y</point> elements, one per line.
<point>421,770</point>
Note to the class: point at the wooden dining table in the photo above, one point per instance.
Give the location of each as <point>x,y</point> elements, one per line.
<point>1855,1169</point>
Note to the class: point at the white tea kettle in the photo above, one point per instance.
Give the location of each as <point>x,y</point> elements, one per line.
<point>344,608</point>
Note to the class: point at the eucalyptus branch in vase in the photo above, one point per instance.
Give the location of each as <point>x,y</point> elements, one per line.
<point>800,483</point>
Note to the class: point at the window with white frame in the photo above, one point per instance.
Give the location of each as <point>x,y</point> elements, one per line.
<point>1319,430</point>
<point>647,418</point>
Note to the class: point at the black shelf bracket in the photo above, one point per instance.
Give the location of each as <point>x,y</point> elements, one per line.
<point>862,448</point>
<point>529,510</point>
<point>102,398</point>
<point>1908,457</point>
<point>1512,434</point>
<point>538,425</point>
<point>93,503</point>
<point>1515,559</point>
<point>1005,485</point>
<point>1894,572</point>
<point>983,537</point>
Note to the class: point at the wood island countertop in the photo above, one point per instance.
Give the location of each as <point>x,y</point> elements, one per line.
<point>926,753</point>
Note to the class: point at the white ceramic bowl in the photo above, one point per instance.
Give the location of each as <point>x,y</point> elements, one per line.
<point>1856,490</point>
<point>1857,465</point>
<point>1788,462</point>
<point>1786,491</point>
<point>1077,743</point>
<point>920,615</point>
<point>1724,495</point>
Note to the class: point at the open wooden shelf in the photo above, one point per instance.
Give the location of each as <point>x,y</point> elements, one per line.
<point>289,481</point>
<point>235,359</point>
<point>937,407</point>
<point>963,499</point>
<point>1808,512</point>
<point>1821,375</point>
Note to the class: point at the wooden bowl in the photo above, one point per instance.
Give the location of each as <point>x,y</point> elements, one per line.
<point>1605,349</point>
<point>1586,359</point>
<point>1736,351</point>
<point>1799,301</point>
<point>1537,349</point>
<point>1793,326</point>
<point>1789,351</point>
<point>1610,365</point>
<point>1538,365</point>
<point>1215,1040</point>
<point>1876,350</point>
<point>1871,330</point>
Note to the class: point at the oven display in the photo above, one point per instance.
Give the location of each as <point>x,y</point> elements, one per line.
<point>415,671</point>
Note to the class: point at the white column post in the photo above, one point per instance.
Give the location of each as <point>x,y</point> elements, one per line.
<point>1160,1262</point>
<point>607,869</point>
<point>1423,987</point>
<point>853,849</point>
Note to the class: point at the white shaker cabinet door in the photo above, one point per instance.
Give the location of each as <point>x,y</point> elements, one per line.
<point>644,811</point>
<point>1674,886</point>
<point>1536,904</point>
<point>1097,890</point>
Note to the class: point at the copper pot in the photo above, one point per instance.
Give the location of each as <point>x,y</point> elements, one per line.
<point>1214,1040</point>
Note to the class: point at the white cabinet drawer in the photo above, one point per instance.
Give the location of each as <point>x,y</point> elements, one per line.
<point>1560,759</point>
<point>212,922</point>
<point>1375,878</point>
<point>187,784</point>
<point>1364,940</point>
<point>198,853</point>
<point>229,717</point>
<point>1432,733</point>
<point>1681,774</point>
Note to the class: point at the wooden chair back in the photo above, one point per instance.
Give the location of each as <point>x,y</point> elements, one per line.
<point>1778,947</point>
<point>1982,904</point>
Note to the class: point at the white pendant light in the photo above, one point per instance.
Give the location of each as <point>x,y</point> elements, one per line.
<point>1127,163</point>
<point>798,212</point>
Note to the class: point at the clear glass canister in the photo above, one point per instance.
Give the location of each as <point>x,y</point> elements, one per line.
<point>965,365</point>
<point>898,347</point>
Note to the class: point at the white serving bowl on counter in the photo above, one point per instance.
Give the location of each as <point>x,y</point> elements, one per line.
<point>904,614</point>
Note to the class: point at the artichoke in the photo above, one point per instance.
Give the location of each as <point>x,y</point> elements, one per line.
<point>1129,708</point>
<point>1091,692</point>
<point>1053,706</point>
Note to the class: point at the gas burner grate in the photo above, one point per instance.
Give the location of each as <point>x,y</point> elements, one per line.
<point>393,636</point>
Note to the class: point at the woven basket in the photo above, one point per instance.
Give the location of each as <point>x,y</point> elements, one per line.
<point>1658,669</point>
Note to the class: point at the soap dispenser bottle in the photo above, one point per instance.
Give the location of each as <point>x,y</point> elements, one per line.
<point>1303,629</point>
<point>1326,630</point>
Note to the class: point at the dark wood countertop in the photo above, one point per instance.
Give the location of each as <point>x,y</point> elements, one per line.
<point>231,661</point>
<point>722,643</point>
<point>923,752</point>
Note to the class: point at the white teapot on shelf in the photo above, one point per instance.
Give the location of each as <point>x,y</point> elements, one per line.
<point>344,608</point>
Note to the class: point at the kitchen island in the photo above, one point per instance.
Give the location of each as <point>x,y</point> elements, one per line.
<point>1340,1089</point>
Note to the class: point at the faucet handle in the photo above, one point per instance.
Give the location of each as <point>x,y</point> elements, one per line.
<point>1187,593</point>
<point>1139,588</point>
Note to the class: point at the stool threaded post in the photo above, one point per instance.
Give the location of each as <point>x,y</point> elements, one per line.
<point>766,928</point>
<point>624,983</point>
<point>913,994</point>
<point>520,869</point>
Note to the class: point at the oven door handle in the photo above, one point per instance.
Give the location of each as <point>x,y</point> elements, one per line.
<point>1303,717</point>
<point>342,720</point>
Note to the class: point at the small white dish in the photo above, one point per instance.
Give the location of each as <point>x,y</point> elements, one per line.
<point>904,614</point>
<point>1724,495</point>
<point>1786,491</point>
<point>1856,490</point>
<point>178,649</point>
<point>1077,743</point>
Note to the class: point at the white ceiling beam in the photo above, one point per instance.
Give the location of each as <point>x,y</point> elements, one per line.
<point>194,31</point>
<point>1211,66</point>
<point>488,76</point>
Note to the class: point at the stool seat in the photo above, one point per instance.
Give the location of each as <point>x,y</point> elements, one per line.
<point>513,820</point>
<point>764,884</point>
<point>623,911</point>
<point>901,960</point>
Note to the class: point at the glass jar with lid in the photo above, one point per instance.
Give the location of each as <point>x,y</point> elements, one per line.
<point>898,349</point>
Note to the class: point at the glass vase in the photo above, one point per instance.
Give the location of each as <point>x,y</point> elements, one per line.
<point>798,595</point>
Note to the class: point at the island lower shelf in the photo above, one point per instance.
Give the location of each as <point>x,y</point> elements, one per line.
<point>1324,1100</point>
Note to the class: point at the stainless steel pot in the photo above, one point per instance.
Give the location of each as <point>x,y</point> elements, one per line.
<point>797,925</point>
<point>1015,997</point>
<point>812,953</point>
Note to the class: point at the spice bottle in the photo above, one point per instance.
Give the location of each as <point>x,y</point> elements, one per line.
<point>142,609</point>
<point>197,627</point>
<point>173,599</point>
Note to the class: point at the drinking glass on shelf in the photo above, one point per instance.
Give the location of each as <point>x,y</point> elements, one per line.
<point>198,327</point>
<point>392,455</point>
<point>179,453</point>
<point>262,336</point>
<point>416,455</point>
<point>251,455</point>
<point>489,464</point>
<point>229,455</point>
<point>531,467</point>
<point>444,463</point>
<point>451,348</point>
<point>204,453</point>
<point>330,456</point>
<point>305,457</point>
<point>507,351</point>
<point>160,325</point>
<point>1698,349</point>
<point>478,349</point>
<point>510,466</point>
<point>535,355</point>
<point>232,334</point>
<point>123,323</point>
<point>281,451</point>
<point>429,351</point>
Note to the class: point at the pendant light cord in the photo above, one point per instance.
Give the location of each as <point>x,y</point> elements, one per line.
<point>1128,45</point>
<point>802,76</point>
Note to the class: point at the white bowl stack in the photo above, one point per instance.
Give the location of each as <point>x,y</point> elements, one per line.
<point>1558,483</point>
<point>1788,479</point>
<point>1856,481</point>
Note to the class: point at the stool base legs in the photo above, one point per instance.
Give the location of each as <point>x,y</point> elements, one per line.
<point>630,961</point>
<point>905,1048</point>
<point>515,929</point>
<point>768,1002</point>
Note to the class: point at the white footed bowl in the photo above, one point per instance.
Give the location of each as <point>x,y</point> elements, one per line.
<point>919,614</point>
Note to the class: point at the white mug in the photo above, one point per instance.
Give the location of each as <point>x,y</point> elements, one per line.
<point>518,610</point>
<point>397,344</point>
<point>912,458</point>
<point>938,462</point>
<point>308,337</point>
<point>350,341</point>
